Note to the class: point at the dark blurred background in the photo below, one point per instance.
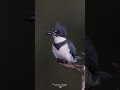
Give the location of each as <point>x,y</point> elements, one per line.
<point>18,35</point>
<point>71,14</point>
<point>17,45</point>
<point>102,26</point>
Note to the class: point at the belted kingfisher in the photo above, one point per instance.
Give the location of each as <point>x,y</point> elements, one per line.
<point>93,74</point>
<point>62,48</point>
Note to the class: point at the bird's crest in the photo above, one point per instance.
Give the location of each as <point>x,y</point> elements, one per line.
<point>60,29</point>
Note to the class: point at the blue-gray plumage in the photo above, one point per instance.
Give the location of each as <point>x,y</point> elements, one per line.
<point>72,49</point>
<point>91,60</point>
<point>93,75</point>
<point>61,30</point>
<point>62,48</point>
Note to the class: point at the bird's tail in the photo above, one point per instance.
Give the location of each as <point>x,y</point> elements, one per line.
<point>78,57</point>
<point>103,75</point>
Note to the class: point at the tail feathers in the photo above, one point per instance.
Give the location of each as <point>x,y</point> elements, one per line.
<point>78,57</point>
<point>103,75</point>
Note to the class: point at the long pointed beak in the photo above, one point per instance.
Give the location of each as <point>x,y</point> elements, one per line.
<point>49,33</point>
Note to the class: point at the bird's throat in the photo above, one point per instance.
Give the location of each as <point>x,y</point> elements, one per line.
<point>59,39</point>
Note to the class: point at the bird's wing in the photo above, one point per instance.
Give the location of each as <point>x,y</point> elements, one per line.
<point>91,60</point>
<point>72,48</point>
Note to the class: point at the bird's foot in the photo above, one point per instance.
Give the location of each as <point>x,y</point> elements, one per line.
<point>61,61</point>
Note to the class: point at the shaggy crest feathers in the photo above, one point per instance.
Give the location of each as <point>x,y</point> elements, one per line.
<point>60,29</point>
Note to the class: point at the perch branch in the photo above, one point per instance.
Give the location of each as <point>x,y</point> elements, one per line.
<point>79,68</point>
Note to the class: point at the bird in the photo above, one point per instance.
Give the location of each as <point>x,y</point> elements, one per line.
<point>91,60</point>
<point>63,48</point>
<point>93,75</point>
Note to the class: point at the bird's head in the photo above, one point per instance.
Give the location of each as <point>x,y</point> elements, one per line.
<point>59,31</point>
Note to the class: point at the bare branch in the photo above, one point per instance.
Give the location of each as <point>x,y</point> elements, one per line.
<point>79,68</point>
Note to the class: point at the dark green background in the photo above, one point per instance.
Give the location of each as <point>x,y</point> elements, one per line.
<point>70,13</point>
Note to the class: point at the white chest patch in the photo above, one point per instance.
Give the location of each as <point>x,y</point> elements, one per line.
<point>63,53</point>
